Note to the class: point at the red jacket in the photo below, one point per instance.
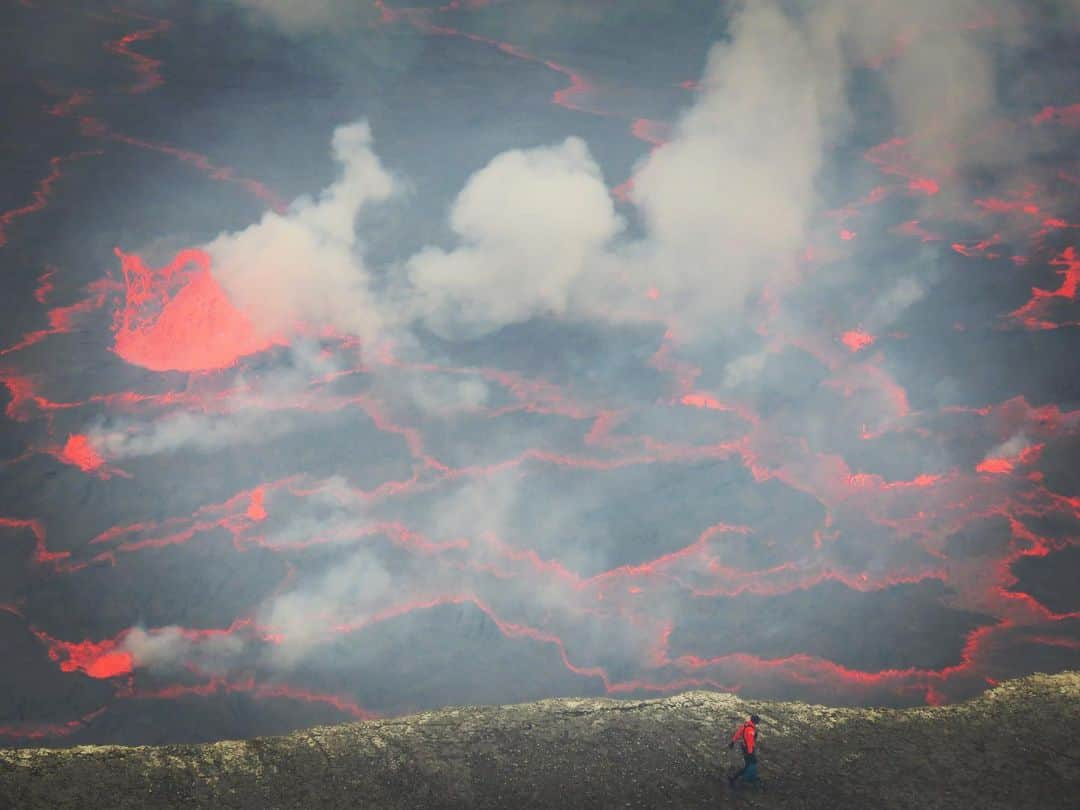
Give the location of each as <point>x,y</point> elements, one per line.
<point>747,735</point>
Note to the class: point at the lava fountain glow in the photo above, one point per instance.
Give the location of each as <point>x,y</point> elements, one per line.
<point>603,359</point>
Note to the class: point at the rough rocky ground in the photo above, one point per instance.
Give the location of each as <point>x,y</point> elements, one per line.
<point>1016,746</point>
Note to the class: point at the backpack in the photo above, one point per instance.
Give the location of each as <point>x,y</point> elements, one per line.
<point>740,735</point>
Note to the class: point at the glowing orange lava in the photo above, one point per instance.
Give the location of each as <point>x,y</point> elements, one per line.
<point>1031,314</point>
<point>96,659</point>
<point>178,318</point>
<point>857,340</point>
<point>701,401</point>
<point>256,510</point>
<point>1068,116</point>
<point>78,452</point>
<point>995,466</point>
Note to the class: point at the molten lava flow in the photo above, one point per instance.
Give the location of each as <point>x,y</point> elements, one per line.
<point>924,185</point>
<point>999,206</point>
<point>700,401</point>
<point>61,319</point>
<point>1066,116</point>
<point>1032,314</point>
<point>979,248</point>
<point>256,510</point>
<point>178,318</point>
<point>857,340</point>
<point>893,157</point>
<point>79,452</point>
<point>265,691</point>
<point>45,731</point>
<point>914,228</point>
<point>655,133</point>
<point>93,127</point>
<point>40,196</point>
<point>146,69</point>
<point>109,665</point>
<point>96,659</point>
<point>45,285</point>
<point>995,466</point>
<point>623,191</point>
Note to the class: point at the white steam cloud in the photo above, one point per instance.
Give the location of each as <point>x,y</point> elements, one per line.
<point>728,202</point>
<point>531,224</point>
<point>165,648</point>
<point>306,266</point>
<point>726,206</point>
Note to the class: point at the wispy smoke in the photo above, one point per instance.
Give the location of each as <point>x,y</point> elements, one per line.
<point>165,648</point>
<point>892,303</point>
<point>355,586</point>
<point>942,86</point>
<point>199,432</point>
<point>258,408</point>
<point>311,16</point>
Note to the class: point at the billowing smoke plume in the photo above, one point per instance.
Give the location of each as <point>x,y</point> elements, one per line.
<point>532,223</point>
<point>728,202</point>
<point>259,407</point>
<point>726,205</point>
<point>306,266</point>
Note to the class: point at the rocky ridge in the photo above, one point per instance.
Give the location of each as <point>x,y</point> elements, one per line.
<point>1017,745</point>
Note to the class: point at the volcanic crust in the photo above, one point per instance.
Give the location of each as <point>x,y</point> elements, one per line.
<point>1018,745</point>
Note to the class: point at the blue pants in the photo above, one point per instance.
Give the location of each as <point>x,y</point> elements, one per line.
<point>748,770</point>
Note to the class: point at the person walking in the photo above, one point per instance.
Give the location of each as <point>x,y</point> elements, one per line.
<point>746,736</point>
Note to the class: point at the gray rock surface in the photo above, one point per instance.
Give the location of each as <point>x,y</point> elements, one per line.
<point>1018,745</point>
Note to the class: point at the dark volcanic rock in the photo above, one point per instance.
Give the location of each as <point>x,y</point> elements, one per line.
<point>1016,746</point>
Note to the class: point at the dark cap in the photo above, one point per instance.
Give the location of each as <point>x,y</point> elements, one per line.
<point>755,719</point>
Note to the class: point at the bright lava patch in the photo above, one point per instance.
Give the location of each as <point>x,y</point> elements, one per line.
<point>856,340</point>
<point>79,452</point>
<point>178,318</point>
